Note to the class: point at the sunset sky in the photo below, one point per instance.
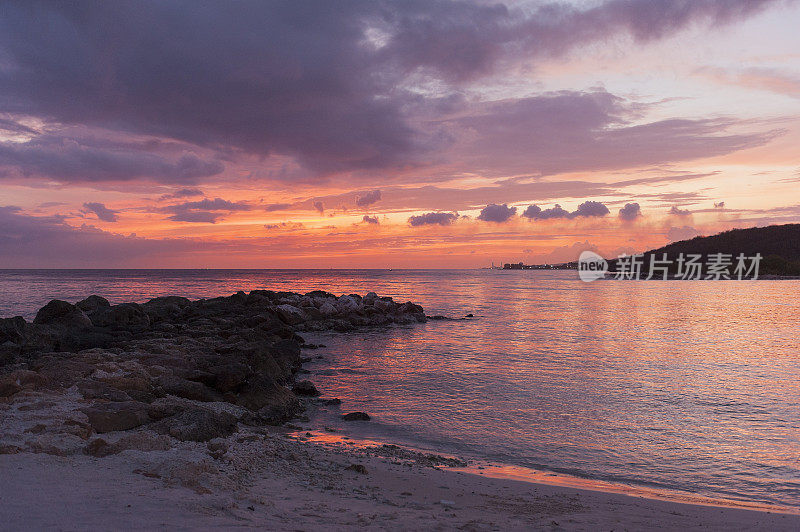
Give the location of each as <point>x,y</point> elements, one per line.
<point>421,133</point>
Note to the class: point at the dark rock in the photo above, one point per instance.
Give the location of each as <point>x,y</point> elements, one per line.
<point>320,293</point>
<point>58,312</point>
<point>469,316</point>
<point>159,357</point>
<point>62,369</point>
<point>290,315</point>
<point>92,303</point>
<point>332,402</point>
<point>110,417</point>
<point>167,308</point>
<point>356,416</point>
<point>166,407</point>
<point>260,391</point>
<point>92,389</point>
<point>10,449</point>
<point>9,387</point>
<point>186,389</point>
<point>229,377</point>
<point>171,301</point>
<point>286,354</point>
<point>12,330</point>
<point>16,381</point>
<point>197,424</point>
<point>98,448</point>
<point>358,468</point>
<point>306,388</point>
<point>124,316</point>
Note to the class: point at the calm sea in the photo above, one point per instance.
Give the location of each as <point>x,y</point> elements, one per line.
<point>690,386</point>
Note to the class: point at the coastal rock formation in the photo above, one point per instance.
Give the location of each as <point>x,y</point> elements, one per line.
<point>356,416</point>
<point>188,370</point>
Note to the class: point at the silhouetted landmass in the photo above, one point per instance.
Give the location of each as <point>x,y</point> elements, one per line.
<point>779,246</point>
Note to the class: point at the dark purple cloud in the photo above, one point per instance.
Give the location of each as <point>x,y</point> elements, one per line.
<point>458,40</point>
<point>80,160</point>
<point>589,209</point>
<point>536,213</point>
<point>533,212</point>
<point>677,211</point>
<point>570,131</point>
<point>370,219</point>
<point>204,211</point>
<point>317,81</point>
<point>369,198</point>
<point>183,193</point>
<point>585,209</point>
<point>101,211</point>
<point>630,212</point>
<point>206,217</point>
<point>319,207</point>
<point>497,213</point>
<point>272,207</point>
<point>216,204</point>
<point>433,218</point>
<point>720,205</point>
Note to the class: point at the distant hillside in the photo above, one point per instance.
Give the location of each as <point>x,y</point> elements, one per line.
<point>779,245</point>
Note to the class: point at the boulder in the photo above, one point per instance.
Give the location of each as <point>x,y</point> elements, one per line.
<point>358,468</point>
<point>111,417</point>
<point>92,389</point>
<point>229,377</point>
<point>306,388</point>
<point>197,424</point>
<point>290,314</point>
<point>186,389</point>
<point>16,381</point>
<point>356,416</point>
<point>92,303</point>
<point>261,390</point>
<point>327,309</point>
<point>286,354</point>
<point>124,316</point>
<point>138,441</point>
<point>58,312</point>
<point>165,308</point>
<point>347,304</point>
<point>384,306</point>
<point>62,369</point>
<point>12,330</point>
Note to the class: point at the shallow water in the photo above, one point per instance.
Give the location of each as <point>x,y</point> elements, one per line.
<point>693,386</point>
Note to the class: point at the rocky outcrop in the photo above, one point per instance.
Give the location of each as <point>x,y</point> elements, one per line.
<point>356,416</point>
<point>188,370</point>
<point>116,416</point>
<point>306,388</point>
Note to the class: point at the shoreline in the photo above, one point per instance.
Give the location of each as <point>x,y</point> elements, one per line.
<point>262,479</point>
<point>172,414</point>
<point>501,471</point>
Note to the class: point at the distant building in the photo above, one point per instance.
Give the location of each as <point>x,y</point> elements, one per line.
<point>521,266</point>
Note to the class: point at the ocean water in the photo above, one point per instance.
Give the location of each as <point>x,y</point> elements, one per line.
<point>675,385</point>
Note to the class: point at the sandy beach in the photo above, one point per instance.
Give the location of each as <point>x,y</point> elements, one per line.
<point>264,479</point>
